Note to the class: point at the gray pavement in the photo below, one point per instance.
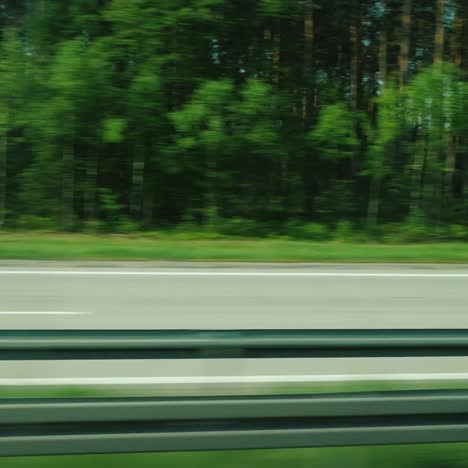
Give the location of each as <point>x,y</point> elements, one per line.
<point>120,295</point>
<point>247,296</point>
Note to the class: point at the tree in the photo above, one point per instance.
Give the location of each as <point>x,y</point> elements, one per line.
<point>144,104</point>
<point>12,76</point>
<point>389,129</point>
<point>308,57</point>
<point>66,86</point>
<point>439,40</point>
<point>268,111</point>
<point>406,20</point>
<point>203,126</point>
<point>355,51</point>
<point>431,104</point>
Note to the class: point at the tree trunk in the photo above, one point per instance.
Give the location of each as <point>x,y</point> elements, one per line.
<point>91,185</point>
<point>267,36</point>
<point>374,200</point>
<point>457,42</point>
<point>138,169</point>
<point>439,41</point>
<point>383,57</point>
<point>307,99</point>
<point>465,182</point>
<point>405,41</point>
<point>351,163</point>
<point>270,52</point>
<point>439,46</point>
<point>68,188</point>
<point>417,181</point>
<point>450,166</point>
<point>459,39</point>
<point>148,190</point>
<point>148,203</point>
<point>277,53</point>
<point>464,39</point>
<point>376,176</point>
<point>383,46</point>
<point>210,195</point>
<point>355,49</point>
<point>3,174</point>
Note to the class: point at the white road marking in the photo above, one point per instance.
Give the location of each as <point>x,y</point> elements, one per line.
<point>41,313</point>
<point>209,380</point>
<point>304,274</point>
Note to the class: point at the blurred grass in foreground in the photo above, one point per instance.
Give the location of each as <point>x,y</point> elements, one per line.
<point>417,456</point>
<point>140,247</point>
<point>60,391</point>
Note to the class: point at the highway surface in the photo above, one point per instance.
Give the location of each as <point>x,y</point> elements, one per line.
<point>45,295</point>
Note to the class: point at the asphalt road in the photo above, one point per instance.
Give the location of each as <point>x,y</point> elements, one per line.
<point>133,295</point>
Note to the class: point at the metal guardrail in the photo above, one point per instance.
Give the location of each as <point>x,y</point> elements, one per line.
<point>112,425</point>
<point>189,344</point>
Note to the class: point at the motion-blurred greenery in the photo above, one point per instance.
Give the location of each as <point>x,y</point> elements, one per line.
<point>252,117</point>
<point>207,245</point>
<point>421,456</point>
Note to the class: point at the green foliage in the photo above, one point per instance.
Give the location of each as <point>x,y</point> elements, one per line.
<point>12,104</point>
<point>28,222</point>
<point>390,124</point>
<point>314,231</point>
<point>406,233</point>
<point>344,231</point>
<point>211,218</point>
<point>239,227</point>
<point>219,110</point>
<point>431,97</point>
<point>113,130</point>
<point>111,214</point>
<point>40,186</point>
<point>127,226</point>
<point>297,229</point>
<point>203,115</point>
<point>66,92</point>
<point>12,80</point>
<point>334,136</point>
<point>95,226</point>
<point>253,119</point>
<point>144,97</point>
<point>417,231</point>
<point>457,232</point>
<point>278,7</point>
<point>109,206</point>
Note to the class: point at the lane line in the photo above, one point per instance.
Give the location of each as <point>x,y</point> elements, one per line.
<point>262,379</point>
<point>42,313</point>
<point>234,273</point>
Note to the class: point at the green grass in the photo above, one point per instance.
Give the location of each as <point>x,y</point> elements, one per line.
<point>34,246</point>
<point>420,456</point>
<point>302,388</point>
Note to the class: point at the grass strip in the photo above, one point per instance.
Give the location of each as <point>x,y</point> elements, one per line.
<point>401,456</point>
<point>119,247</point>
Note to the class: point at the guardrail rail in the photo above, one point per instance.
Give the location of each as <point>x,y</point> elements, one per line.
<point>213,344</point>
<point>116,425</point>
<point>112,425</point>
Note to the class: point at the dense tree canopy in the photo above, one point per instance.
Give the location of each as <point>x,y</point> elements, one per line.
<point>150,113</point>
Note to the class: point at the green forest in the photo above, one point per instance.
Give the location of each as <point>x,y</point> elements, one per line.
<point>247,117</point>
